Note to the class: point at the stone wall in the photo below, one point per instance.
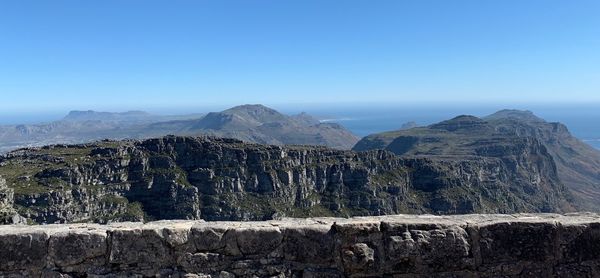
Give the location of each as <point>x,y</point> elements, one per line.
<point>524,245</point>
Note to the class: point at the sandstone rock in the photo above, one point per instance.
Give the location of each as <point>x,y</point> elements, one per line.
<point>207,238</point>
<point>23,251</point>
<point>144,249</point>
<point>73,248</point>
<point>8,215</point>
<point>525,245</point>
<point>358,257</point>
<point>309,245</point>
<point>262,240</point>
<point>426,246</point>
<point>226,179</point>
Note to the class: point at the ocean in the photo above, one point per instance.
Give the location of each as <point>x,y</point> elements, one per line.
<point>582,121</point>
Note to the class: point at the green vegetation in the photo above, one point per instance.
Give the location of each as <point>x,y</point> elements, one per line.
<point>134,212</point>
<point>389,177</point>
<point>20,175</point>
<point>114,199</point>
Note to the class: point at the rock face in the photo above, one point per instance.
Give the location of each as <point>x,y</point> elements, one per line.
<point>509,135</point>
<point>578,164</point>
<point>8,214</point>
<point>226,179</point>
<point>526,245</point>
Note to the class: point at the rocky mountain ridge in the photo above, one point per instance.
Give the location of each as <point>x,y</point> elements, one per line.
<point>499,134</point>
<point>227,179</point>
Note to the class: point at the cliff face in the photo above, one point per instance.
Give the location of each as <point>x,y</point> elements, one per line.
<point>8,214</point>
<point>510,135</point>
<point>226,179</point>
<point>578,163</point>
<point>529,245</point>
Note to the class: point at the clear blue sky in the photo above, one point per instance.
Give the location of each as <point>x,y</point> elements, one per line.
<point>126,54</point>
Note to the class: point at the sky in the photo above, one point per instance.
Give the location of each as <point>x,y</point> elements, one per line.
<point>119,55</point>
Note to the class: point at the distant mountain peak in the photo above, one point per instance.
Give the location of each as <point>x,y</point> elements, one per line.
<point>79,113</point>
<point>465,118</point>
<point>523,115</point>
<point>248,105</point>
<point>462,122</point>
<point>258,123</point>
<point>408,125</point>
<point>256,114</point>
<point>86,115</point>
<point>255,108</point>
<point>251,122</point>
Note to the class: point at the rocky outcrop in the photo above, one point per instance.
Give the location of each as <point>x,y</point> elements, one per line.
<point>8,214</point>
<point>525,245</point>
<point>578,163</point>
<point>510,135</point>
<point>226,179</point>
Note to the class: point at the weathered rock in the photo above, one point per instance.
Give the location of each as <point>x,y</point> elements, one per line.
<point>226,179</point>
<point>258,241</point>
<point>309,245</point>
<point>25,250</point>
<point>72,248</point>
<point>428,243</point>
<point>522,142</point>
<point>524,245</point>
<point>8,214</point>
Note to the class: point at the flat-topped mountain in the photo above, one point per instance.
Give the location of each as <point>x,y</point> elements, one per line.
<point>90,115</point>
<point>502,135</point>
<point>253,123</point>
<point>227,179</point>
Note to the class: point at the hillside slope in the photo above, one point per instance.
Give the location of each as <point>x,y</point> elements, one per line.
<point>260,124</point>
<point>497,135</point>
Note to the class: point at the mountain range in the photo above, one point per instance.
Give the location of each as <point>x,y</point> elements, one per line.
<point>252,123</point>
